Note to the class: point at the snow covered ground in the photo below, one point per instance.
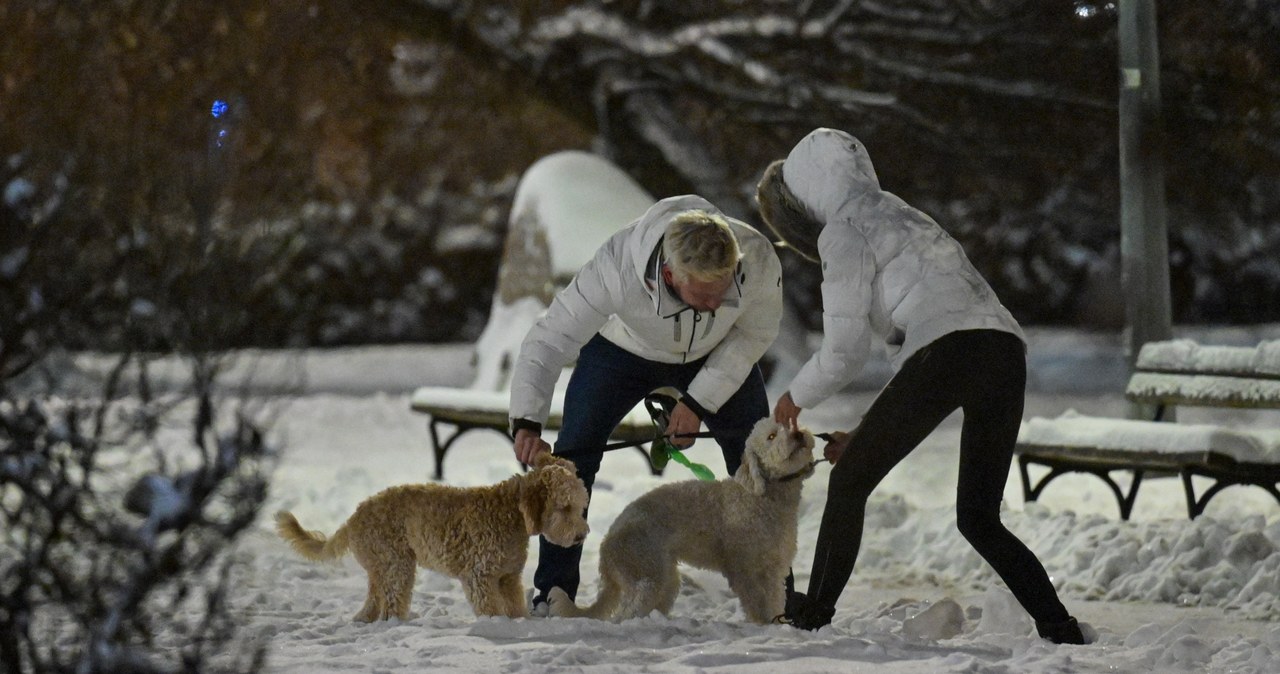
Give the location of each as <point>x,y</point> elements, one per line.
<point>1163,593</point>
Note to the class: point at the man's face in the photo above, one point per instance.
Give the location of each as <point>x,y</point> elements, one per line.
<point>701,295</point>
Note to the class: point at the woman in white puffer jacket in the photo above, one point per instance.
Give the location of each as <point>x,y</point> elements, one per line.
<point>889,272</point>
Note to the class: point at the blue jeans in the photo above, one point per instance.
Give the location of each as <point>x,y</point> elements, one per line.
<point>606,384</point>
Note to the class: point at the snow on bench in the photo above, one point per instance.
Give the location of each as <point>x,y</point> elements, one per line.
<point>1176,372</point>
<point>566,205</point>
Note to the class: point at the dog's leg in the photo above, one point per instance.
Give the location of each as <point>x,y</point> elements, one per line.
<point>667,590</point>
<point>641,599</point>
<point>372,609</point>
<point>400,588</point>
<point>759,591</point>
<point>605,606</point>
<point>511,589</point>
<point>485,595</point>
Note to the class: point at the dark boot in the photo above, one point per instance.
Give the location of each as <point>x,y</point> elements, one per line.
<point>1065,632</point>
<point>803,613</point>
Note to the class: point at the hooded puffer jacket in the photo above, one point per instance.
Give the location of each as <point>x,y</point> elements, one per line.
<point>620,294</point>
<point>888,270</point>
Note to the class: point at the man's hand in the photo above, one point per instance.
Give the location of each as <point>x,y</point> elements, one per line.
<point>683,421</point>
<point>529,445</point>
<point>836,446</point>
<point>786,412</point>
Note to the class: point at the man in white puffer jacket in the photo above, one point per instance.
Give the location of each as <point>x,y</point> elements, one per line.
<point>890,272</point>
<point>684,297</point>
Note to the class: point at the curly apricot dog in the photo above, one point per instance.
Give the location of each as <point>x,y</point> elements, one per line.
<point>479,535</point>
<point>744,527</point>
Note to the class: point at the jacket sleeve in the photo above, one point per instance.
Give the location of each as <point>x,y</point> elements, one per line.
<point>752,333</point>
<point>576,313</point>
<point>848,275</point>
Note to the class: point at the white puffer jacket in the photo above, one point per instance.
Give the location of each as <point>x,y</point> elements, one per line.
<point>888,270</point>
<point>610,295</point>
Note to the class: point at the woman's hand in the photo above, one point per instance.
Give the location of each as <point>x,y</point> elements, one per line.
<point>786,412</point>
<point>836,446</point>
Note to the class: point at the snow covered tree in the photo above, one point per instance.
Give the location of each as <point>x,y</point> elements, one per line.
<point>997,116</point>
<point>109,527</point>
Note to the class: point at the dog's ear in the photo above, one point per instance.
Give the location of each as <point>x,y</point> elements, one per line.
<point>749,474</point>
<point>544,459</point>
<point>533,497</point>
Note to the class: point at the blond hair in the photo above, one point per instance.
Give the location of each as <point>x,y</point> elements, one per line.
<point>701,246</point>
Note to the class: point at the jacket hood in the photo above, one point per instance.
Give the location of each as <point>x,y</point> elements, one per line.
<point>827,169</point>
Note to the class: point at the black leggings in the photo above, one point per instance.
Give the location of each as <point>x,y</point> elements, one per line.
<point>983,372</point>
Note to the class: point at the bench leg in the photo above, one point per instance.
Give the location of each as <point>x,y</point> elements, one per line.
<point>1032,492</point>
<point>1196,506</point>
<point>439,448</point>
<point>441,443</point>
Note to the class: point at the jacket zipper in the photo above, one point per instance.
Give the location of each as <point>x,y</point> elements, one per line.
<point>693,334</point>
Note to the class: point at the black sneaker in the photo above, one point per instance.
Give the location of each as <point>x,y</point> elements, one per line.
<point>538,606</point>
<point>803,614</point>
<point>1065,632</point>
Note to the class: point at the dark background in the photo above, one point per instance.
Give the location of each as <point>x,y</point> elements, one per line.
<point>357,189</point>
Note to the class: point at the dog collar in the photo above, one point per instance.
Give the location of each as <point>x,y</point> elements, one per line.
<point>803,472</point>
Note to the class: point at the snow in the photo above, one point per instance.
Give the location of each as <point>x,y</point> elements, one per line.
<point>1188,355</point>
<point>1163,593</point>
<point>1073,429</point>
<point>570,202</point>
<point>579,199</point>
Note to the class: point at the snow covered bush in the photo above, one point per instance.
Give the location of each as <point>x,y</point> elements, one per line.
<point>110,537</point>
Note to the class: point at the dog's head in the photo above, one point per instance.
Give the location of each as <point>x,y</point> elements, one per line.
<point>775,452</point>
<point>554,501</point>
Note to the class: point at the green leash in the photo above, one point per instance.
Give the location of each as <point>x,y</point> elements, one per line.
<point>662,451</point>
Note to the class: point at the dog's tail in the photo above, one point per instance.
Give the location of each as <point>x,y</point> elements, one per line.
<point>604,607</point>
<point>311,544</point>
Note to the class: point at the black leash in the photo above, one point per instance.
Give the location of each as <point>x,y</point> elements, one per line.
<point>657,438</point>
<point>812,464</point>
<point>703,434</point>
<point>622,444</point>
<point>659,406</point>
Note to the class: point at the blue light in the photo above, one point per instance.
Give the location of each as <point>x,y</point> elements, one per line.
<point>219,108</point>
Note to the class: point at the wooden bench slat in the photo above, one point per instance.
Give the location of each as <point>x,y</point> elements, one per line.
<point>1184,356</point>
<point>1203,390</point>
<point>1146,442</point>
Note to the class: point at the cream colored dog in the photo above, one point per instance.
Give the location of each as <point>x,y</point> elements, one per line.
<point>744,527</point>
<point>479,535</point>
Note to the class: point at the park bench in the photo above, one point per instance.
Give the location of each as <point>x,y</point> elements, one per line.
<point>566,205</point>
<point>452,412</point>
<point>1167,374</point>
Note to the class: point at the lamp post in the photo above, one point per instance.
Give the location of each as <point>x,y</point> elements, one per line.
<point>1144,241</point>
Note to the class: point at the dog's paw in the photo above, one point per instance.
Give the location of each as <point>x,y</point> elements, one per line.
<point>560,604</point>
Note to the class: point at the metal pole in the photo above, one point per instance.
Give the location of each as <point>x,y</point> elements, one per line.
<point>1144,243</point>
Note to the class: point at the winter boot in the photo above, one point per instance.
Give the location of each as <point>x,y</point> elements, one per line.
<point>803,613</point>
<point>1065,632</point>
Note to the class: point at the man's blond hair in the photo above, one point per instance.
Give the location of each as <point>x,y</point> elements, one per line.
<point>701,246</point>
